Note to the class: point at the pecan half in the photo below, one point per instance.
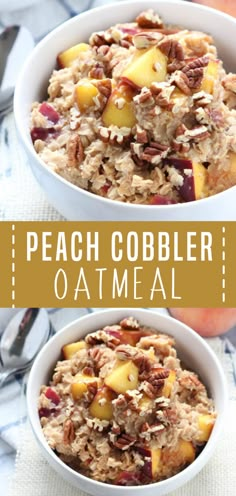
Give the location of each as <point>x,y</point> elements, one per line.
<point>97,72</point>
<point>88,371</point>
<point>68,431</point>
<point>175,65</point>
<point>124,441</point>
<point>171,48</point>
<point>195,70</point>
<point>104,87</point>
<point>75,151</point>
<point>181,80</point>
<point>149,19</point>
<point>92,388</point>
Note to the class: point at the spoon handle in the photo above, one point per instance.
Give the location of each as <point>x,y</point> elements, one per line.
<point>4,376</point>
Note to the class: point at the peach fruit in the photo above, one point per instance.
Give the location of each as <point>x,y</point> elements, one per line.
<point>149,68</point>
<point>206,321</point>
<point>119,110</point>
<point>85,92</point>
<point>205,425</point>
<point>195,182</point>
<point>66,58</point>
<point>123,377</point>
<point>101,406</point>
<point>70,349</point>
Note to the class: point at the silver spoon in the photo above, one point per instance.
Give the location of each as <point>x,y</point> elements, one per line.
<point>16,42</point>
<point>22,339</point>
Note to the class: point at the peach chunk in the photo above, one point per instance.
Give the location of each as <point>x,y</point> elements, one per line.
<point>119,110</point>
<point>169,383</point>
<point>85,92</point>
<point>70,349</point>
<point>123,378</point>
<point>79,387</point>
<point>195,177</point>
<point>66,58</point>
<point>149,68</point>
<point>181,454</point>
<point>151,467</point>
<point>205,426</point>
<point>211,74</point>
<point>101,406</point>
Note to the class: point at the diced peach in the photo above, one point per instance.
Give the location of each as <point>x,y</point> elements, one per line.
<point>183,453</point>
<point>70,349</point>
<point>145,403</point>
<point>79,387</point>
<point>205,426</point>
<point>66,58</point>
<point>151,467</point>
<point>211,75</point>
<point>85,93</point>
<point>101,406</point>
<point>119,110</point>
<point>123,378</point>
<point>169,383</point>
<point>195,177</point>
<point>149,68</point>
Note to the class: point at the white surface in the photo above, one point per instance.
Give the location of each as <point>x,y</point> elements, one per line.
<point>191,348</point>
<point>78,204</point>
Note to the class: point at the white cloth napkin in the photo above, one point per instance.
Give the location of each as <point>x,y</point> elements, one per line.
<point>34,477</point>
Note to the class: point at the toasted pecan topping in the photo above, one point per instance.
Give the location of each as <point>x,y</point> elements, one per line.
<point>75,151</point>
<point>124,441</point>
<point>68,431</point>
<point>149,19</point>
<point>171,48</point>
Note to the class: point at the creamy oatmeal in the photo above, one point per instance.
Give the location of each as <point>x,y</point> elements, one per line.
<point>121,408</point>
<point>143,113</point>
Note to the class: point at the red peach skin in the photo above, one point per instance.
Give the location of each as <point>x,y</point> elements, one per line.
<point>207,322</point>
<point>228,6</point>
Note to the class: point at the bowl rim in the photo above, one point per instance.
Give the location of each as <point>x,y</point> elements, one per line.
<point>29,145</point>
<point>206,453</point>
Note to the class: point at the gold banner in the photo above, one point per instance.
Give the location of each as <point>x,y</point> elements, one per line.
<point>117,264</point>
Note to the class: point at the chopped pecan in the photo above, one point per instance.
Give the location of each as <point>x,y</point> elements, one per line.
<point>198,133</point>
<point>191,382</point>
<point>154,153</point>
<point>100,337</point>
<point>98,356</point>
<point>115,428</point>
<point>68,431</point>
<point>101,38</point>
<point>171,48</point>
<point>181,80</point>
<point>92,388</point>
<point>182,148</point>
<point>75,151</point>
<point>129,323</point>
<point>144,96</point>
<point>175,65</point>
<point>140,359</point>
<point>145,40</point>
<point>201,98</point>
<point>97,72</point>
<point>148,429</point>
<point>124,441</point>
<point>88,371</point>
<point>104,87</point>
<point>149,390</point>
<point>102,50</point>
<point>195,70</point>
<point>141,135</point>
<point>149,19</point>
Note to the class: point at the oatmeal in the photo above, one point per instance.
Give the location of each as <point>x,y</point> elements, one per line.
<point>120,407</point>
<point>143,113</point>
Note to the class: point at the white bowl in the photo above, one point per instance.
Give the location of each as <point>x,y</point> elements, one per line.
<point>191,348</point>
<point>77,204</point>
